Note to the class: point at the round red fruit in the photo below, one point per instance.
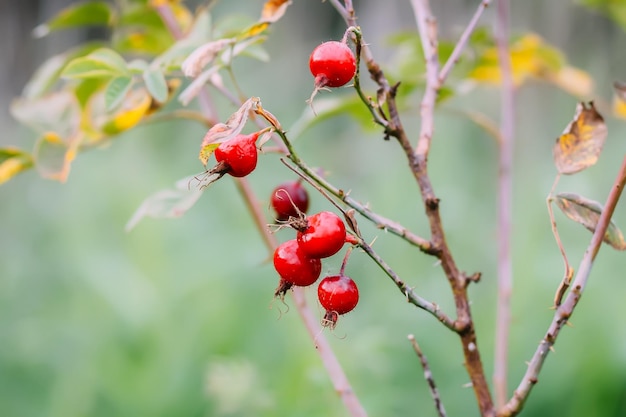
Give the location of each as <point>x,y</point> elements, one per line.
<point>332,64</point>
<point>294,266</point>
<point>289,199</point>
<point>323,236</point>
<point>239,154</point>
<point>338,294</point>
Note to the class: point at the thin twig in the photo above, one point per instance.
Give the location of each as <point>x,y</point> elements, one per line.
<point>458,48</point>
<point>411,297</point>
<point>565,310</point>
<point>504,203</point>
<point>427,26</point>
<point>428,375</point>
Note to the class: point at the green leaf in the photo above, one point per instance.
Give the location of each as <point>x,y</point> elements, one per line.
<point>116,90</point>
<point>86,89</point>
<point>587,212</point>
<point>156,84</point>
<point>101,63</point>
<point>12,162</point>
<point>170,203</point>
<point>92,13</point>
<point>141,15</point>
<point>142,41</point>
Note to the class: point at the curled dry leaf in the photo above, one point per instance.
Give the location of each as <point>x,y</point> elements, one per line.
<point>221,132</point>
<point>587,212</point>
<point>581,142</point>
<point>202,56</point>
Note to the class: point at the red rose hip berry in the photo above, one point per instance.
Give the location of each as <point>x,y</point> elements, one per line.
<point>238,155</point>
<point>338,294</point>
<point>289,199</point>
<point>294,266</point>
<point>332,64</point>
<point>323,236</point>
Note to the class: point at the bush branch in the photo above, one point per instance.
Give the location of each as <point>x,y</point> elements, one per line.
<point>565,310</point>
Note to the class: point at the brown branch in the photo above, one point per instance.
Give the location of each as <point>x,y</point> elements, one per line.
<point>565,310</point>
<point>418,161</point>
<point>428,375</point>
<point>504,203</point>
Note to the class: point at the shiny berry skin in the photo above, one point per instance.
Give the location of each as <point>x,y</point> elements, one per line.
<point>324,235</point>
<point>239,154</point>
<point>286,196</point>
<point>338,294</point>
<point>294,266</point>
<point>332,64</point>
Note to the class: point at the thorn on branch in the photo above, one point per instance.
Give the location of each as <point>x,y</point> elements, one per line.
<point>432,203</point>
<point>475,277</point>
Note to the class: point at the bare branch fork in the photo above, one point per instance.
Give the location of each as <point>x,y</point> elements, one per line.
<point>417,159</point>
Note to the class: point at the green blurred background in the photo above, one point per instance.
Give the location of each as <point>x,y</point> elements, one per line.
<point>176,318</point>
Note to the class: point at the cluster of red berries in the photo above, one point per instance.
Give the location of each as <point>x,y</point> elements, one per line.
<point>299,261</point>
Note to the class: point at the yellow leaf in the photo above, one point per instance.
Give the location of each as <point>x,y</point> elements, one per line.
<point>132,111</point>
<point>12,162</point>
<point>581,142</point>
<point>530,57</point>
<point>274,10</point>
<point>254,30</point>
<point>206,151</point>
